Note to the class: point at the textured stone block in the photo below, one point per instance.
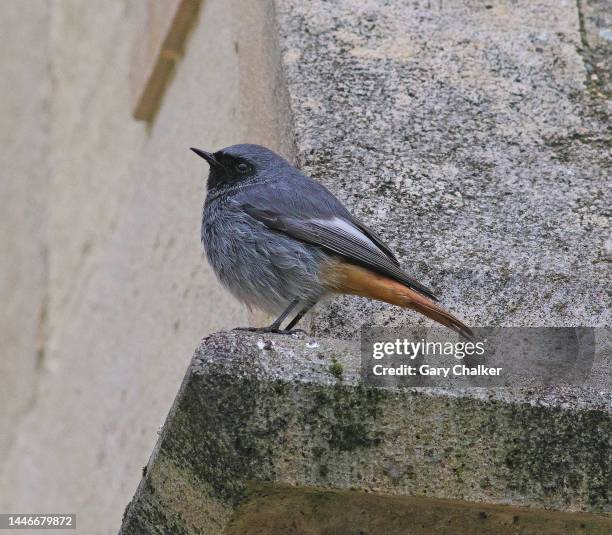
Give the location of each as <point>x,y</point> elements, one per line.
<point>291,411</point>
<point>468,135</point>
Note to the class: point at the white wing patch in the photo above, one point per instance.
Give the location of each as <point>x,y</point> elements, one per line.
<point>344,227</point>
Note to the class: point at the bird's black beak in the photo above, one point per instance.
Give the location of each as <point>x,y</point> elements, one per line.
<point>210,158</point>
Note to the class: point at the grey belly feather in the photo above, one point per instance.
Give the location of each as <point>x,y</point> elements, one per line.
<point>260,267</point>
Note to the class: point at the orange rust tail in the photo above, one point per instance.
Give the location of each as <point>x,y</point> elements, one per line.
<point>342,277</point>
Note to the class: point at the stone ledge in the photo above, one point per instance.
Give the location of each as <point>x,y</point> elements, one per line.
<point>280,409</point>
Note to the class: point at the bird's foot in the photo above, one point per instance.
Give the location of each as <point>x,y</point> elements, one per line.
<point>273,329</point>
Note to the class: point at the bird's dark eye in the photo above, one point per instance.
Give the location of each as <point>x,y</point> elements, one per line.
<point>242,168</point>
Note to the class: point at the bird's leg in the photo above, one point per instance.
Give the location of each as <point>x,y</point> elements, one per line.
<point>274,327</point>
<point>299,316</point>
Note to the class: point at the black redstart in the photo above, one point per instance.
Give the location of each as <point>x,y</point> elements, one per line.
<point>280,241</point>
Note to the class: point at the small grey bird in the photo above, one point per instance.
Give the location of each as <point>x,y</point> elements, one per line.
<point>280,241</point>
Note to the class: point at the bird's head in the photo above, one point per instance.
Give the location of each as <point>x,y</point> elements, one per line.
<point>240,163</point>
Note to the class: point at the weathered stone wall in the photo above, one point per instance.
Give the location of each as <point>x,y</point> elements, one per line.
<point>471,135</point>
<point>104,288</point>
<point>25,88</point>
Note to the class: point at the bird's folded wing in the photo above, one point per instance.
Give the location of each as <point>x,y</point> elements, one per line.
<point>339,236</point>
<point>377,241</point>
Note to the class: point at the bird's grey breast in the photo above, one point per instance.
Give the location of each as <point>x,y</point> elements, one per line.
<point>259,266</point>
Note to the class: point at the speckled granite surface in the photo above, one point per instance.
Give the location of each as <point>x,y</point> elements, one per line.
<point>471,136</point>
